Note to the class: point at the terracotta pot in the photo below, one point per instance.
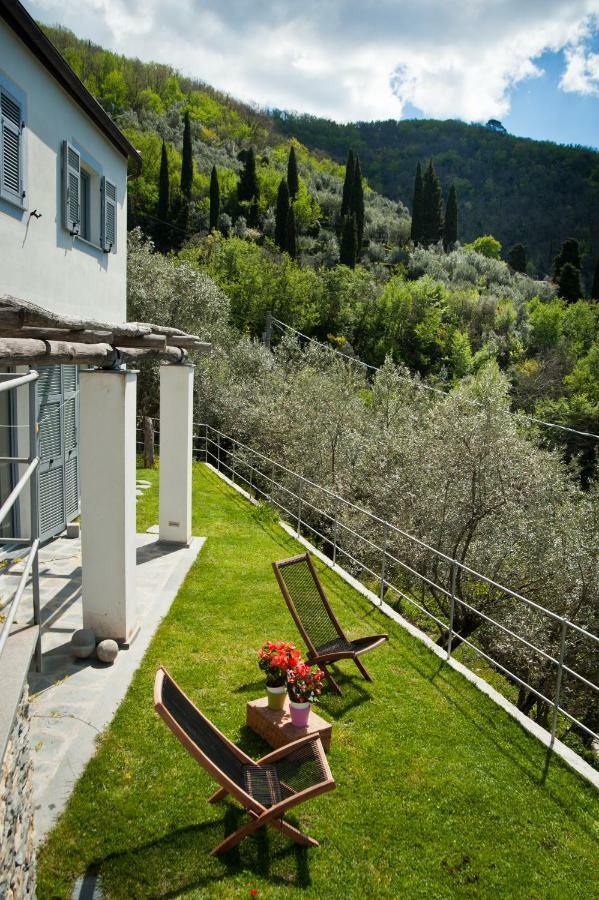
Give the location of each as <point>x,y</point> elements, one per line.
<point>276,696</point>
<point>300,714</point>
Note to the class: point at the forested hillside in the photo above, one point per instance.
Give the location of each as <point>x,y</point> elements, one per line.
<point>284,229</point>
<point>519,190</point>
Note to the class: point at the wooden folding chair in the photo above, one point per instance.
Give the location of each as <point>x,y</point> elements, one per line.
<point>308,604</point>
<point>266,789</point>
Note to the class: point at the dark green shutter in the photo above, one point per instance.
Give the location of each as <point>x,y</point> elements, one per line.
<point>11,150</point>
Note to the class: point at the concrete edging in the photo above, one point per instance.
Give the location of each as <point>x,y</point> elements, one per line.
<point>569,756</point>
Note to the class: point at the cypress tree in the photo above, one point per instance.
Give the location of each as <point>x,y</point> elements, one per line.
<point>450,226</point>
<point>348,185</point>
<point>568,285</point>
<point>516,258</point>
<point>163,208</point>
<point>281,213</point>
<point>292,174</point>
<point>569,253</point>
<point>595,290</point>
<point>357,205</point>
<point>349,242</point>
<point>214,199</point>
<point>432,213</point>
<point>417,204</point>
<point>248,189</point>
<point>187,160</point>
<point>291,233</point>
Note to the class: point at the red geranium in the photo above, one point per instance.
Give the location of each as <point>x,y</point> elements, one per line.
<point>304,683</point>
<point>276,658</point>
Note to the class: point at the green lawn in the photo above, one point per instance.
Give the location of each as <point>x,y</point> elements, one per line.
<point>439,793</point>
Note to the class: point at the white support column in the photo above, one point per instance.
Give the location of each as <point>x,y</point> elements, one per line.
<point>176,432</point>
<point>107,461</point>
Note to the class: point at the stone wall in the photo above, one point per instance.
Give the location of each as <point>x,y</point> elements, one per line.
<point>17,854</point>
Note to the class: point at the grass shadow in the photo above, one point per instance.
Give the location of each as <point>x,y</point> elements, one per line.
<point>264,854</point>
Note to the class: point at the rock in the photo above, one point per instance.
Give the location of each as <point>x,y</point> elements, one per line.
<point>107,650</point>
<point>83,643</point>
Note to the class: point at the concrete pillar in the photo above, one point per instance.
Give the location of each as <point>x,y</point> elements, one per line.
<point>176,431</point>
<point>107,461</point>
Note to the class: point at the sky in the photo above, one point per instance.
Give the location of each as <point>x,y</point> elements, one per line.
<point>532,64</point>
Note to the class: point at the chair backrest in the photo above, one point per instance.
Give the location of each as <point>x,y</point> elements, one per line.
<point>307,601</point>
<point>221,759</point>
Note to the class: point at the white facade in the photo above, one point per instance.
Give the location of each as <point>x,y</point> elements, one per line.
<point>39,259</point>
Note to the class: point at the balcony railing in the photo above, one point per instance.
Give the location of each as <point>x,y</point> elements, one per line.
<point>11,382</point>
<point>307,504</point>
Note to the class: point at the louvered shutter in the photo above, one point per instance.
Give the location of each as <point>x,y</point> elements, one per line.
<point>51,450</point>
<point>108,241</point>
<point>58,416</point>
<point>11,149</point>
<point>70,393</point>
<point>71,187</point>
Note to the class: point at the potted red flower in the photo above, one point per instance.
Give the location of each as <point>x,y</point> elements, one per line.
<point>304,686</point>
<point>277,658</point>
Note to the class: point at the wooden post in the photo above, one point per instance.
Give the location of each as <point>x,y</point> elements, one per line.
<point>148,431</point>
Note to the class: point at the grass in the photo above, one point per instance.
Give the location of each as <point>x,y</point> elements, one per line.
<point>439,793</point>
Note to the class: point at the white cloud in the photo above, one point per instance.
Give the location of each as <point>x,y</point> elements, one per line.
<point>350,59</point>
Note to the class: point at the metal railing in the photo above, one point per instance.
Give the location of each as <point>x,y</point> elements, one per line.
<point>263,477</point>
<point>11,382</point>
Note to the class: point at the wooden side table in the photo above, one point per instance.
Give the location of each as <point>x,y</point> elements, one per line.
<point>276,728</point>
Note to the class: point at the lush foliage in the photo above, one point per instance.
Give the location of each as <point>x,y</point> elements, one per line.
<point>534,192</point>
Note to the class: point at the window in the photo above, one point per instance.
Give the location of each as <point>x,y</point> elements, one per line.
<point>11,148</point>
<point>89,201</point>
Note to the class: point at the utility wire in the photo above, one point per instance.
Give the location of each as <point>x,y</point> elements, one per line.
<point>282,326</point>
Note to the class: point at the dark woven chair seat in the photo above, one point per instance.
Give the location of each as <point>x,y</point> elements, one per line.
<point>340,645</point>
<point>268,784</point>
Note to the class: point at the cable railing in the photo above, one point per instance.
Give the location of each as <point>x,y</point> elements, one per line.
<point>328,518</point>
<point>11,382</point>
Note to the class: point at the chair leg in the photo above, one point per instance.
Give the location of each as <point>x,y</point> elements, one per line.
<point>233,839</point>
<point>331,680</point>
<point>220,794</point>
<point>363,669</point>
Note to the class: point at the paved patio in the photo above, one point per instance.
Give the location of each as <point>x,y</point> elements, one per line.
<point>73,700</point>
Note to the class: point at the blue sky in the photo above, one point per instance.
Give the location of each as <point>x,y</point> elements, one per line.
<point>533,64</point>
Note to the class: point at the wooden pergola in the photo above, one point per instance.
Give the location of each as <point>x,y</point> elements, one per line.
<point>31,335</point>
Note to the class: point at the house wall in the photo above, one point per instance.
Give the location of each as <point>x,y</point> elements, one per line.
<point>39,260</point>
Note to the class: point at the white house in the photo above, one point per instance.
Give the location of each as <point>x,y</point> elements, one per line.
<point>63,227</point>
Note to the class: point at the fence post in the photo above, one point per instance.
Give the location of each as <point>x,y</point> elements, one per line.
<point>35,522</point>
<point>558,686</point>
<point>384,563</point>
<point>267,336</point>
<point>335,529</point>
<point>218,450</point>
<point>299,508</point>
<point>251,465</point>
<point>233,457</point>
<point>454,571</point>
<point>206,442</point>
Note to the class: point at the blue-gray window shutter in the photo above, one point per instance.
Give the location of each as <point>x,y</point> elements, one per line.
<point>58,416</point>
<point>108,190</point>
<point>71,188</point>
<point>11,149</point>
